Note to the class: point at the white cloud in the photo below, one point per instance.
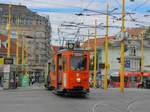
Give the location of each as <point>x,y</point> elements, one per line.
<point>58,18</point>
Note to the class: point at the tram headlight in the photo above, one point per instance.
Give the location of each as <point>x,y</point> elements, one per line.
<point>65,79</point>
<point>78,80</point>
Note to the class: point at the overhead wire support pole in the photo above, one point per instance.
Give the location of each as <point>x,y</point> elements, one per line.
<point>106,52</point>
<point>26,51</point>
<point>88,40</point>
<point>122,50</point>
<point>95,54</point>
<point>9,31</point>
<point>142,55</point>
<point>22,49</point>
<point>17,43</point>
<point>142,52</point>
<point>83,45</point>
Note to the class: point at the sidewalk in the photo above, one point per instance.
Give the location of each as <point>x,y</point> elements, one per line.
<point>33,87</point>
<point>1,88</point>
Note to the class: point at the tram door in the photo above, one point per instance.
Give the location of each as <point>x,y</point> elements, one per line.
<point>59,70</point>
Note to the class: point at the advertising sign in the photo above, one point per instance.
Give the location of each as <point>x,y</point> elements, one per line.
<point>25,81</point>
<point>6,68</point>
<point>1,61</point>
<point>8,61</point>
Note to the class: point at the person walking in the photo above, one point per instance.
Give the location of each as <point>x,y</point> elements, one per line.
<point>17,80</point>
<point>11,83</point>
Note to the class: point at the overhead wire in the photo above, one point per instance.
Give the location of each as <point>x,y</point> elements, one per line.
<point>139,6</point>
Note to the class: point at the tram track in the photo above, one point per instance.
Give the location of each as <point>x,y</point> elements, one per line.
<point>105,107</point>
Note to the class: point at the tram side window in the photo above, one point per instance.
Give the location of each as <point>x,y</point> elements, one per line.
<point>52,67</point>
<point>64,63</point>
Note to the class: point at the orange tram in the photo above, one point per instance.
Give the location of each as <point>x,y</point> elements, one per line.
<point>68,72</point>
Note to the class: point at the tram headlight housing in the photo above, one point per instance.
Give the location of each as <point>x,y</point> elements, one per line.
<point>78,80</point>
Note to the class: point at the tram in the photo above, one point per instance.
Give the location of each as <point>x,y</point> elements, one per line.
<point>68,71</point>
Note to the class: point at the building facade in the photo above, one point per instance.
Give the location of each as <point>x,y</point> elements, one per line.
<point>31,25</point>
<point>134,39</point>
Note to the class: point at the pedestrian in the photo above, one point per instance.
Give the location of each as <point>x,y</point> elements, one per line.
<point>32,80</point>
<point>11,83</point>
<point>17,80</point>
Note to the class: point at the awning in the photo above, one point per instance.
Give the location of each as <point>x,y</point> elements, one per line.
<point>147,74</point>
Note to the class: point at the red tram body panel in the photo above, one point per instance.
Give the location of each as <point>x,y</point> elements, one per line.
<point>69,71</point>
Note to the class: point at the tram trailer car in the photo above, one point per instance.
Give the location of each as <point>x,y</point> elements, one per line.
<point>68,72</point>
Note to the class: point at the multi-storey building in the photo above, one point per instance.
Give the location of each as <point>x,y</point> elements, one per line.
<point>31,25</point>
<point>134,39</point>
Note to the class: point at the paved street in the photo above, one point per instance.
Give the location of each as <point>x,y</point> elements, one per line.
<point>40,100</point>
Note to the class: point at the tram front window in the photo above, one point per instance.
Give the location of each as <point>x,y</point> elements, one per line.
<point>78,63</point>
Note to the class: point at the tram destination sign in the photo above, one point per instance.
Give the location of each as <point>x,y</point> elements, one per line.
<point>8,61</point>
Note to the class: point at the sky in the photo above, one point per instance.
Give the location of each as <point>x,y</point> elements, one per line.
<point>64,11</point>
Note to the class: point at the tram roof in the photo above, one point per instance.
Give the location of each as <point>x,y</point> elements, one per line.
<point>75,49</point>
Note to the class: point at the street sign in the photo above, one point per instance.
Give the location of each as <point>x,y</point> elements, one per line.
<point>70,45</point>
<point>6,68</point>
<point>1,61</point>
<point>8,61</point>
<point>127,63</point>
<point>102,65</point>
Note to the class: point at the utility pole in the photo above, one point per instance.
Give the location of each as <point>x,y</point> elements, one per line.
<point>88,40</point>
<point>122,50</point>
<point>17,43</point>
<point>106,52</point>
<point>22,49</point>
<point>95,54</point>
<point>83,45</point>
<point>9,31</point>
<point>26,51</point>
<point>142,55</point>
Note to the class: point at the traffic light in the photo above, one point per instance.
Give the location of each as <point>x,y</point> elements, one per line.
<point>125,48</point>
<point>102,65</point>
